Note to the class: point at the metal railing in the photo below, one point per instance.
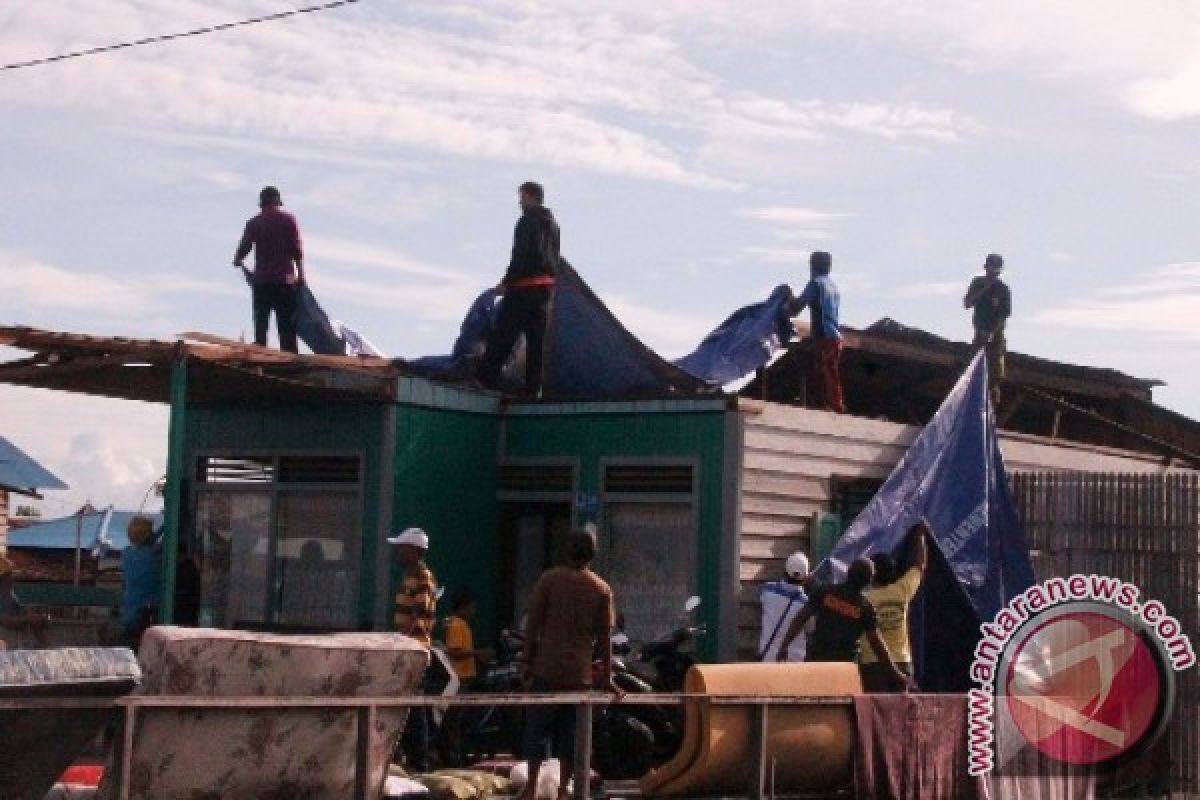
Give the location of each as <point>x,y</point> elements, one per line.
<point>138,707</point>
<point>366,708</point>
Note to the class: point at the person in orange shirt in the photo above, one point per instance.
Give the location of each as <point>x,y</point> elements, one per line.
<point>460,639</point>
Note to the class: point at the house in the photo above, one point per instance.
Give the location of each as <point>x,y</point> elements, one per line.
<point>19,475</point>
<point>49,571</point>
<point>287,472</point>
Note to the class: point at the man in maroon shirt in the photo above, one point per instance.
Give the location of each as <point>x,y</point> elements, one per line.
<point>278,268</point>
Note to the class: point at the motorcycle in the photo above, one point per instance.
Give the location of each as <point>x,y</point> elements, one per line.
<point>630,740</point>
<point>472,733</point>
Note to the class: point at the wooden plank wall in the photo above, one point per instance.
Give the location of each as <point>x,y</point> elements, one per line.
<point>1139,528</point>
<point>791,454</point>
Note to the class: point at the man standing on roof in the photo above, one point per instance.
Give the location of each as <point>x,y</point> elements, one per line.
<point>992,303</point>
<point>843,615</point>
<point>781,601</point>
<point>416,609</point>
<point>278,268</point>
<point>822,296</point>
<point>528,287</point>
<point>891,596</point>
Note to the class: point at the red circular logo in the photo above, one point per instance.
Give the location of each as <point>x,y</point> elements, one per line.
<point>1084,686</point>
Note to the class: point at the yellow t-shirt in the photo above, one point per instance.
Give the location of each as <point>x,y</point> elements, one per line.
<point>459,637</point>
<point>891,610</point>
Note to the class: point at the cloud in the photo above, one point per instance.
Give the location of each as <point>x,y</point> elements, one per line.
<point>345,251</point>
<point>97,467</point>
<point>793,215</point>
<point>107,451</point>
<point>930,289</point>
<point>37,286</point>
<point>377,277</point>
<point>1168,98</point>
<point>521,84</point>
<point>670,334</point>
<point>779,255</point>
<point>1167,305</point>
<point>1146,63</point>
<point>794,224</point>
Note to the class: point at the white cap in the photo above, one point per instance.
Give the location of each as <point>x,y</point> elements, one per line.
<point>796,566</point>
<point>411,536</point>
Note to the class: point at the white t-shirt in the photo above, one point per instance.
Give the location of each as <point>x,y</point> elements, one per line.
<point>782,601</point>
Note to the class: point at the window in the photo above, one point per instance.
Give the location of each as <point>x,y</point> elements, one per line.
<point>648,543</point>
<point>279,541</point>
<point>648,556</point>
<point>852,495</point>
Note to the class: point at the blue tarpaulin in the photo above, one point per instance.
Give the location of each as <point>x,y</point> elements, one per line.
<point>952,476</point>
<point>744,342</point>
<point>589,354</point>
<point>471,341</point>
<point>325,336</point>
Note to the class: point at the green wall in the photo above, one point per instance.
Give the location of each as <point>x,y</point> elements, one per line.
<point>592,436</point>
<point>430,460</point>
<point>341,425</point>
<point>445,483</point>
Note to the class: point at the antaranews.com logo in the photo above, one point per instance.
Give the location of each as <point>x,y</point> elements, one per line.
<point>1076,670</point>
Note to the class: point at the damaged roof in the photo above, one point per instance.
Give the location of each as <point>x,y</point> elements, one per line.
<point>901,373</point>
<point>220,369</point>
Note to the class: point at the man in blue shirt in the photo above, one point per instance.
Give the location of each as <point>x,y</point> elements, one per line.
<point>822,297</point>
<point>141,572</point>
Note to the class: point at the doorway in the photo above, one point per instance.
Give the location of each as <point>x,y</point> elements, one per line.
<point>533,537</point>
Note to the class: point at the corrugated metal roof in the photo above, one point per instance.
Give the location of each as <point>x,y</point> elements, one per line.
<point>20,472</point>
<point>100,527</point>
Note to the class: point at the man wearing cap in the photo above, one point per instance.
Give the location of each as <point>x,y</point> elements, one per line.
<point>992,303</point>
<point>821,295</point>
<point>278,268</point>
<point>14,617</point>
<point>416,610</point>
<point>416,597</point>
<point>781,602</point>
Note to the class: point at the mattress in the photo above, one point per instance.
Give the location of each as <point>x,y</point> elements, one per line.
<point>49,740</point>
<point>237,754</point>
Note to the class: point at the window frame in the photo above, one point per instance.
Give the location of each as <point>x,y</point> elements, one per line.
<point>274,489</point>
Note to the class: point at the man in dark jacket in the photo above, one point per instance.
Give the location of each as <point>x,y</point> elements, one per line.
<point>278,268</point>
<point>528,287</point>
<point>991,301</point>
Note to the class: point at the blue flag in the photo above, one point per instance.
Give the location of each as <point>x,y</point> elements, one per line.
<point>953,477</point>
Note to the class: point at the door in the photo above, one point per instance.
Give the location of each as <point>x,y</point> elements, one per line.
<point>533,537</point>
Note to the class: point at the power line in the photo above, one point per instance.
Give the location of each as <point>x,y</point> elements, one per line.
<point>93,51</point>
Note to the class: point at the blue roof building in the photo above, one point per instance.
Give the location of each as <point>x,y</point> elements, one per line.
<point>99,531</point>
<point>20,473</point>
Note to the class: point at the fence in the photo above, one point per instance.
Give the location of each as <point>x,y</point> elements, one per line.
<point>137,707</point>
<point>1144,529</point>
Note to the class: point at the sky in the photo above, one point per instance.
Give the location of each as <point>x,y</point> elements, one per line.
<point>694,153</point>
